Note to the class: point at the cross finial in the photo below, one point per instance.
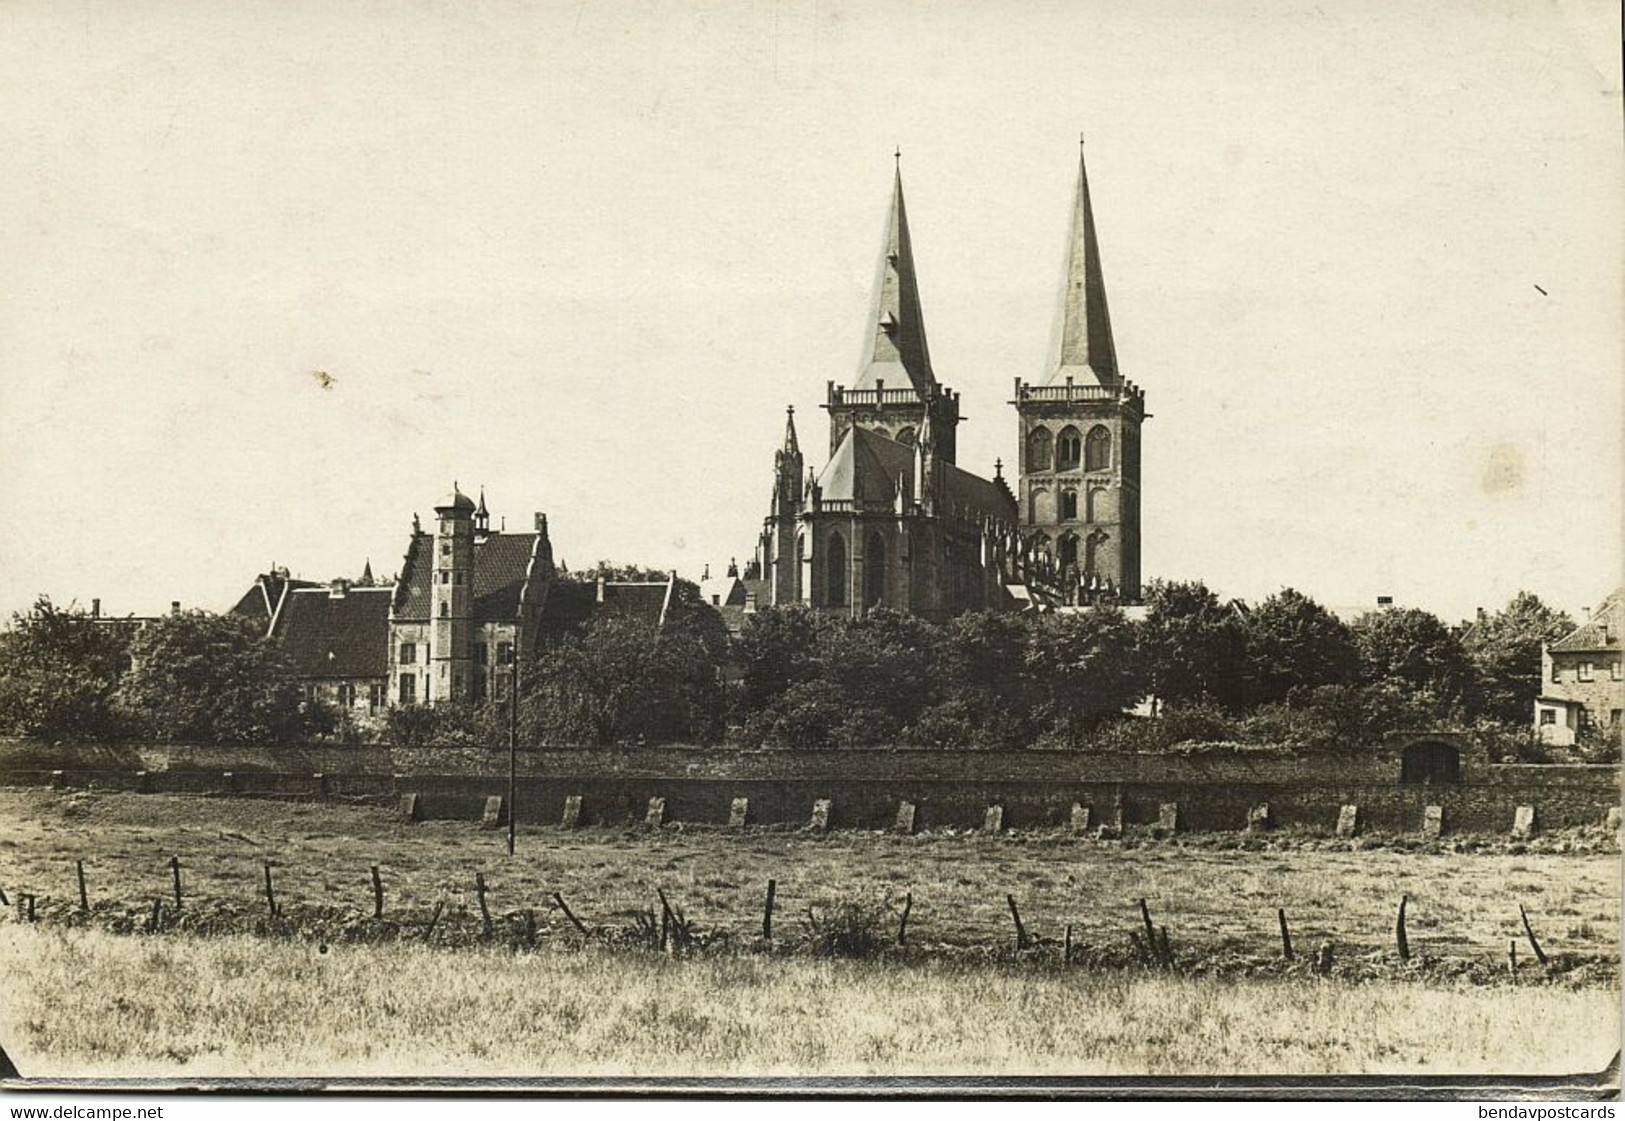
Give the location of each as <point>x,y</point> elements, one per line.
<point>1080,138</point>
<point>898,155</point>
<point>791,409</point>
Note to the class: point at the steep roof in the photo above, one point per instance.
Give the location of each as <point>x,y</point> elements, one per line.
<point>1086,352</point>
<point>326,636</point>
<point>571,603</point>
<point>260,601</point>
<point>867,468</point>
<point>500,564</point>
<point>1600,632</point>
<point>899,355</point>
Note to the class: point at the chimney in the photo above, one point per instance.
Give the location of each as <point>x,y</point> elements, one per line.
<point>174,607</point>
<point>750,603</point>
<point>541,522</point>
<point>706,575</point>
<point>338,589</point>
<point>1385,601</point>
<point>1481,615</point>
<point>96,608</point>
<point>600,587</point>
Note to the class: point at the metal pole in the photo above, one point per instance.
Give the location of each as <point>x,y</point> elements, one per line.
<point>513,740</point>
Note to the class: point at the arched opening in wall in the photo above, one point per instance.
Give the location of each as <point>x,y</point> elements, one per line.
<point>1069,550</point>
<point>1041,507</point>
<point>905,435</point>
<point>1068,449</point>
<point>1090,512</point>
<point>1097,453</point>
<point>874,570</point>
<point>1039,446</point>
<point>835,571</point>
<point>1430,763</point>
<point>1069,506</point>
<point>1091,552</point>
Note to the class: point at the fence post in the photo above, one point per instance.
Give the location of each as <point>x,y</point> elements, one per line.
<point>1399,931</point>
<point>377,894</point>
<point>565,907</point>
<point>1286,938</point>
<point>175,875</point>
<point>270,894</point>
<point>1540,954</point>
<point>767,912</point>
<point>1021,931</point>
<point>84,898</point>
<point>485,913</point>
<point>902,923</point>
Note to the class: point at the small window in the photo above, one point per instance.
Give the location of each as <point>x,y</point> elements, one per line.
<point>1548,716</point>
<point>1585,672</point>
<point>1557,673</point>
<point>1613,716</point>
<point>409,689</point>
<point>504,653</point>
<point>445,609</point>
<point>346,695</point>
<point>1614,669</point>
<point>445,548</point>
<point>1069,505</point>
<point>1585,717</point>
<point>445,575</point>
<point>375,697</point>
<point>409,653</point>
<point>1097,454</point>
<point>1068,449</point>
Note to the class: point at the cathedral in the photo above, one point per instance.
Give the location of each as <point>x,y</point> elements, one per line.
<point>893,520</point>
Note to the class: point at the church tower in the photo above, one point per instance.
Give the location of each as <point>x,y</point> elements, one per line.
<point>896,385</point>
<point>451,598</point>
<point>779,547</point>
<point>1080,436</point>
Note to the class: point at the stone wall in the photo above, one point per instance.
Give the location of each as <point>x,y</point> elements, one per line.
<point>950,788</point>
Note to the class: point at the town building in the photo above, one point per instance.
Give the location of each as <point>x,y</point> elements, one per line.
<point>893,520</point>
<point>1583,678</point>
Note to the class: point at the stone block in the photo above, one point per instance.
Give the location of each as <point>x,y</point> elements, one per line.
<point>993,820</point>
<point>656,815</point>
<point>1168,818</point>
<point>1523,822</point>
<point>1258,818</point>
<point>1109,831</point>
<point>1348,821</point>
<point>1612,820</point>
<point>492,815</point>
<point>738,812</point>
<point>1433,821</point>
<point>143,781</point>
<point>1080,818</point>
<point>572,812</point>
<point>905,817</point>
<point>228,780</point>
<point>57,780</point>
<point>820,815</point>
<point>409,807</point>
<point>320,779</point>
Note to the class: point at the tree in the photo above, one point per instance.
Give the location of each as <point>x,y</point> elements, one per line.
<point>59,670</point>
<point>777,648</point>
<point>1086,668</point>
<point>206,678</point>
<point>1412,648</point>
<point>1294,642</point>
<point>1193,646</point>
<point>1505,651</point>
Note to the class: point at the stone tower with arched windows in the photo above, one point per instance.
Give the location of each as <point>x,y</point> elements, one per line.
<point>1079,483</point>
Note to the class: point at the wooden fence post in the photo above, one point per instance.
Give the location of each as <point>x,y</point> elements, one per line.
<point>1150,930</point>
<point>175,875</point>
<point>84,898</point>
<point>1540,954</point>
<point>428,931</point>
<point>569,914</point>
<point>270,894</point>
<point>1066,952</point>
<point>767,911</point>
<point>157,916</point>
<point>902,923</point>
<point>1399,931</point>
<point>1021,931</point>
<point>1286,937</point>
<point>485,913</point>
<point>377,893</point>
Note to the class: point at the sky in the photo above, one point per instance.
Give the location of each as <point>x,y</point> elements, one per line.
<point>1364,258</point>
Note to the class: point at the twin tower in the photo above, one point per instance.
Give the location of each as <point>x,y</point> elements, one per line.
<point>893,520</point>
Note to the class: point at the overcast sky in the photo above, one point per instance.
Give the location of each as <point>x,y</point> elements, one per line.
<point>1364,258</point>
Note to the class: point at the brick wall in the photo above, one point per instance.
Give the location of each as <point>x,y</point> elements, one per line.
<point>950,788</point>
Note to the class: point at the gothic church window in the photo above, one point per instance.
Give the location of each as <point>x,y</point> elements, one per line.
<point>1069,505</point>
<point>874,571</point>
<point>1069,551</point>
<point>1068,449</point>
<point>1098,453</point>
<point>1039,444</point>
<point>835,571</point>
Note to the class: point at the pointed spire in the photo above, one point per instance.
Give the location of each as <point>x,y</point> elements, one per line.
<point>791,446</point>
<point>366,580</point>
<point>899,341</point>
<point>1087,354</point>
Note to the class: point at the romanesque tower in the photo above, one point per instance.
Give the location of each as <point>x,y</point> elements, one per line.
<point>451,598</point>
<point>1080,436</point>
<point>896,384</point>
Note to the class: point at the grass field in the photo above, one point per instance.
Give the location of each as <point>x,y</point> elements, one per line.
<point>80,1000</point>
<point>84,1003</point>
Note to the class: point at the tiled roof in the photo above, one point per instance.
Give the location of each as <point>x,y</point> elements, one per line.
<point>328,636</point>
<point>260,601</point>
<point>500,564</point>
<point>867,467</point>
<point>570,603</point>
<point>1600,632</point>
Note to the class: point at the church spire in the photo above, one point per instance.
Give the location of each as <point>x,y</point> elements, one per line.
<point>1087,354</point>
<point>899,356</point>
<point>791,446</point>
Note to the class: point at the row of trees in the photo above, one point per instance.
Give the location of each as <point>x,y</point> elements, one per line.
<point>1284,674</point>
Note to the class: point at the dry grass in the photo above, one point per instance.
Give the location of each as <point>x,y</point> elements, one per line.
<point>86,1003</point>
<point>1462,905</point>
